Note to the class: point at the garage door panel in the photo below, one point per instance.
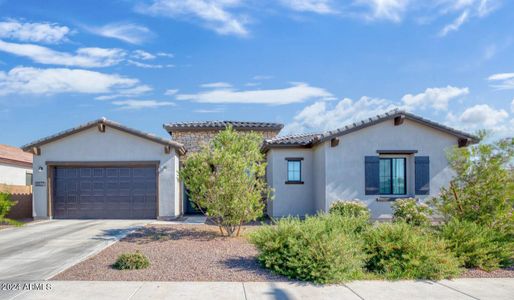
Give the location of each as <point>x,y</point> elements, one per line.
<point>105,192</point>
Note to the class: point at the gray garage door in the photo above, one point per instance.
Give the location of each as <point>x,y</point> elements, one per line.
<point>105,192</point>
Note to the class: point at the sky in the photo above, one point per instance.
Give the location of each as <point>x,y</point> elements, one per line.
<point>312,65</point>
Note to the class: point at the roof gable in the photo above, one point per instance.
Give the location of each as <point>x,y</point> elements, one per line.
<point>309,140</point>
<point>102,123</point>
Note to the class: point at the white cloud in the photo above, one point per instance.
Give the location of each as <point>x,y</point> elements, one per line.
<point>512,106</point>
<point>128,92</point>
<point>208,111</point>
<point>456,24</point>
<point>84,57</point>
<point>483,116</point>
<point>436,98</point>
<point>501,76</point>
<point>213,14</point>
<point>392,10</point>
<point>466,9</point>
<point>127,32</point>
<point>27,80</point>
<point>165,54</point>
<point>218,85</point>
<point>148,66</point>
<point>141,104</point>
<point>33,32</point>
<point>143,55</point>
<point>324,116</point>
<point>298,92</point>
<point>315,6</point>
<point>170,92</point>
<point>502,81</point>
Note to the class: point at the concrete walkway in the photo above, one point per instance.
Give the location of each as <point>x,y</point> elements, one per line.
<point>456,289</point>
<point>40,251</point>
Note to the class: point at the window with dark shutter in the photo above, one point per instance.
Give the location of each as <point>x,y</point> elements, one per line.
<point>371,174</point>
<point>422,175</point>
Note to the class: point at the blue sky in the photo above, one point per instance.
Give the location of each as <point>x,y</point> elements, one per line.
<point>310,64</point>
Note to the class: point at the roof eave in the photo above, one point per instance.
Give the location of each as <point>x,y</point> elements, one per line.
<point>63,134</point>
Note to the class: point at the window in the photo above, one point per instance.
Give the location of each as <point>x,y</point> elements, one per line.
<point>28,178</point>
<point>294,171</point>
<point>392,176</point>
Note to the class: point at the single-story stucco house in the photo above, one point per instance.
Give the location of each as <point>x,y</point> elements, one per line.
<point>15,166</point>
<point>103,169</point>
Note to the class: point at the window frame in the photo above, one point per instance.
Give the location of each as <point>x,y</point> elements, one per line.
<point>391,187</point>
<point>294,159</point>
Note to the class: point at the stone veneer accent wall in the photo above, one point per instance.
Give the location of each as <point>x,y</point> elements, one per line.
<point>193,140</point>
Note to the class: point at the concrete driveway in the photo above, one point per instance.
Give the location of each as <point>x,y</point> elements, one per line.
<point>40,251</point>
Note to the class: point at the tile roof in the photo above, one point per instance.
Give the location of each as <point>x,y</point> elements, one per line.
<point>295,140</point>
<point>106,122</point>
<point>10,153</point>
<point>315,138</point>
<point>239,125</point>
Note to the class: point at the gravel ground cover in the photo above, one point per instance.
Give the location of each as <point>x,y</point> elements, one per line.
<point>501,273</point>
<point>177,253</point>
<point>193,253</point>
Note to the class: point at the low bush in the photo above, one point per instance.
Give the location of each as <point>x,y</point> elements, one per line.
<point>132,261</point>
<point>411,212</point>
<point>478,246</point>
<point>402,251</point>
<point>353,208</point>
<point>323,248</point>
<point>5,207</point>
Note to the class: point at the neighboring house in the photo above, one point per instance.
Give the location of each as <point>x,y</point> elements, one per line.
<point>15,166</point>
<point>378,160</point>
<point>105,170</point>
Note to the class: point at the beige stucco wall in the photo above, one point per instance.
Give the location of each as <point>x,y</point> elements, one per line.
<point>291,199</point>
<point>112,145</point>
<point>337,173</point>
<point>345,163</point>
<point>13,175</point>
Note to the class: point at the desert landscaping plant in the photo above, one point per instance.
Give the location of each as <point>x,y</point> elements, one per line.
<point>5,207</point>
<point>402,251</point>
<point>478,246</point>
<point>483,189</point>
<point>411,212</point>
<point>132,261</point>
<point>226,179</point>
<point>321,249</point>
<point>350,208</point>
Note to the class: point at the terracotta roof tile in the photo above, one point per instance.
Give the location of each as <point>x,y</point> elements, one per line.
<point>15,154</point>
<point>239,125</point>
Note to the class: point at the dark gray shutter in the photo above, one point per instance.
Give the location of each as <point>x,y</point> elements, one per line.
<point>422,174</point>
<point>371,173</point>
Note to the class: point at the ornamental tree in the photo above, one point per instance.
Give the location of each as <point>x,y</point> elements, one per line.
<point>483,189</point>
<point>225,179</point>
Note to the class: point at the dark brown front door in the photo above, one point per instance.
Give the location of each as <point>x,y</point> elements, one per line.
<point>105,192</point>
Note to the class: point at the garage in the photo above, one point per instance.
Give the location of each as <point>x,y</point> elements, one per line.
<point>105,192</point>
<point>105,170</point>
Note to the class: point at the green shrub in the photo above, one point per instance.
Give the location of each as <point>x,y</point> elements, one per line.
<point>353,208</point>
<point>402,251</point>
<point>132,261</point>
<point>5,207</point>
<point>323,248</point>
<point>482,191</point>
<point>478,246</point>
<point>411,212</point>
